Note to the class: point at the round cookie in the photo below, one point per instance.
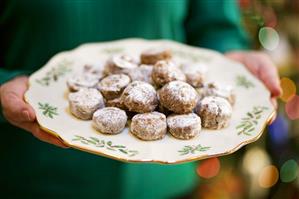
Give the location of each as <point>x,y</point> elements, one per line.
<point>142,73</point>
<point>109,120</point>
<point>140,97</point>
<point>149,126</point>
<point>215,89</point>
<point>184,126</point>
<point>117,102</point>
<point>85,102</point>
<point>152,56</point>
<point>93,70</point>
<point>113,85</point>
<point>166,71</point>
<point>120,64</point>
<point>195,74</point>
<point>215,112</point>
<point>178,97</point>
<point>82,80</point>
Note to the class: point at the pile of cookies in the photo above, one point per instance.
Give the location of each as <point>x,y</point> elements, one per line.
<point>157,94</point>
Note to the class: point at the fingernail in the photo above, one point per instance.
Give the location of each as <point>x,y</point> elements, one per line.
<point>26,115</point>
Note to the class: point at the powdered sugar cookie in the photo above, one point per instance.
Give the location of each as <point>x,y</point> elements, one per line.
<point>109,120</point>
<point>178,97</point>
<point>215,112</point>
<point>152,56</point>
<point>112,86</point>
<point>149,126</point>
<point>85,102</point>
<point>140,97</point>
<point>195,74</point>
<point>185,126</point>
<point>166,71</point>
<point>120,64</point>
<point>215,89</point>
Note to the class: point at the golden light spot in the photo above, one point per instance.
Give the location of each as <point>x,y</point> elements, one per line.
<point>288,89</point>
<point>268,176</point>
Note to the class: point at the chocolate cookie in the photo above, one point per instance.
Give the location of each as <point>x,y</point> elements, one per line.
<point>149,126</point>
<point>215,112</point>
<point>152,56</point>
<point>109,120</point>
<point>112,86</point>
<point>120,64</point>
<point>184,126</point>
<point>166,71</point>
<point>85,102</point>
<point>215,89</point>
<point>141,73</point>
<point>195,74</point>
<point>140,97</point>
<point>82,80</point>
<point>178,97</point>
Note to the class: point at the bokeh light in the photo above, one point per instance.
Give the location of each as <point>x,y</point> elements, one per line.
<point>268,38</point>
<point>209,168</point>
<point>268,176</point>
<point>288,89</point>
<point>278,132</point>
<point>289,171</point>
<point>292,108</point>
<point>254,160</point>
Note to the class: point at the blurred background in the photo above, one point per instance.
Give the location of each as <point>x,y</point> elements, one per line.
<point>269,167</point>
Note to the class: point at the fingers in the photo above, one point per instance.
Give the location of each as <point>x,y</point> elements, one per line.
<point>238,56</point>
<point>14,107</point>
<point>260,65</point>
<point>269,75</point>
<point>274,102</point>
<point>42,135</point>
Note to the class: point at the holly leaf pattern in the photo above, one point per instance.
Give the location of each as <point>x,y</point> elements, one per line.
<point>105,144</point>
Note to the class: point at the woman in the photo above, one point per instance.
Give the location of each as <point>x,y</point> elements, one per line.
<point>33,31</point>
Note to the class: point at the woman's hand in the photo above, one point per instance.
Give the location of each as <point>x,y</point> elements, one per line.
<point>21,114</point>
<point>261,66</point>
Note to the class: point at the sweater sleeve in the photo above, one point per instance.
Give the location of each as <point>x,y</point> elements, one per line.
<point>216,25</point>
<point>6,75</point>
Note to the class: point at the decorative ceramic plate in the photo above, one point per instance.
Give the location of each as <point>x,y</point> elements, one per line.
<point>48,92</point>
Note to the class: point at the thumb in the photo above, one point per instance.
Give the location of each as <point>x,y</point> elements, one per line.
<point>12,100</point>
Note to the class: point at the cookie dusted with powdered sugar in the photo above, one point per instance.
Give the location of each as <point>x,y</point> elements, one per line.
<point>141,73</point>
<point>185,126</point>
<point>140,97</point>
<point>109,120</point>
<point>117,102</point>
<point>82,80</point>
<point>152,56</point>
<point>166,71</point>
<point>195,74</point>
<point>149,126</point>
<point>112,86</point>
<point>178,97</point>
<point>215,112</point>
<point>120,64</point>
<point>215,89</point>
<point>85,102</point>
